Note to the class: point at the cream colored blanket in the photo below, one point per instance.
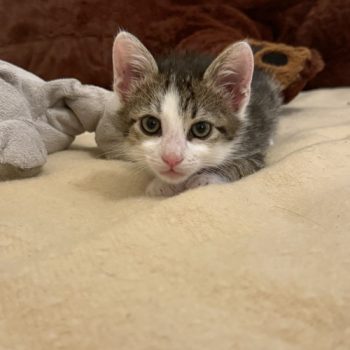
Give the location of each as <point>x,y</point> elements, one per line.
<point>87,262</point>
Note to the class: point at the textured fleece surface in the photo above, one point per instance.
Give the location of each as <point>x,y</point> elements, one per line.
<point>87,262</point>
<point>67,38</point>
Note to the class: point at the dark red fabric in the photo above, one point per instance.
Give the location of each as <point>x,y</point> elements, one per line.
<point>73,38</point>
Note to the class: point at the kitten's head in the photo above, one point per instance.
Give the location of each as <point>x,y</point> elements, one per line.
<point>177,118</point>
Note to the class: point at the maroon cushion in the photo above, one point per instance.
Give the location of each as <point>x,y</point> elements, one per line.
<point>73,38</point>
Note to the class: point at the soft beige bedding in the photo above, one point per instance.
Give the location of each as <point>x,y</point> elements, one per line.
<point>87,262</point>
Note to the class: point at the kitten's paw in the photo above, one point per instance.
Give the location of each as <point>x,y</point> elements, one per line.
<point>204,180</point>
<point>158,188</point>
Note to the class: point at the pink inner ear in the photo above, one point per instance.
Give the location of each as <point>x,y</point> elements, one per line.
<point>123,86</point>
<point>131,63</point>
<point>123,74</point>
<point>235,74</point>
<point>239,89</point>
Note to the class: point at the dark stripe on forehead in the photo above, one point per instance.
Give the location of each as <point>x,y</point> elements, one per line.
<point>167,83</point>
<point>194,109</point>
<point>186,93</point>
<point>186,102</point>
<point>158,106</point>
<point>190,99</point>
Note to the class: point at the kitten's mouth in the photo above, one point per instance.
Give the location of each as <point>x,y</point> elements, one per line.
<point>172,176</point>
<point>172,173</point>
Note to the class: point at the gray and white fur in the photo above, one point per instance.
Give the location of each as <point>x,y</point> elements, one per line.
<point>190,119</point>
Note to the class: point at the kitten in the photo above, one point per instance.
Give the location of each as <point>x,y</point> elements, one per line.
<point>190,119</point>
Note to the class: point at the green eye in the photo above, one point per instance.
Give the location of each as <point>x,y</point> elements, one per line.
<point>150,125</point>
<point>201,130</point>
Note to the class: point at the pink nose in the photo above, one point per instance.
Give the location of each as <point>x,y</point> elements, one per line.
<point>172,160</point>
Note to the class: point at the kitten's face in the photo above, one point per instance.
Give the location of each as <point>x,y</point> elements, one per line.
<point>175,123</point>
<point>176,132</point>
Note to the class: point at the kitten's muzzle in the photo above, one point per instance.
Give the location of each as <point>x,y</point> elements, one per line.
<point>172,160</point>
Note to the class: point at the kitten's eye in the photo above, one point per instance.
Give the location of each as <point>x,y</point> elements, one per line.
<point>201,130</point>
<point>150,125</point>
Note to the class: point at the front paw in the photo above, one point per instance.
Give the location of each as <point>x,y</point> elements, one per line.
<point>158,188</point>
<point>204,180</point>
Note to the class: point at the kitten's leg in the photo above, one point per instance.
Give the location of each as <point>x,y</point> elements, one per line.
<point>236,169</point>
<point>158,188</point>
<point>205,179</point>
<point>231,171</point>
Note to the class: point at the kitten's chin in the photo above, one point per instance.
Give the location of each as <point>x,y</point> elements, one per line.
<point>172,177</point>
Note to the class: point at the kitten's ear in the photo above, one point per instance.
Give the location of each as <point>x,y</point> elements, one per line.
<point>232,71</point>
<point>132,62</point>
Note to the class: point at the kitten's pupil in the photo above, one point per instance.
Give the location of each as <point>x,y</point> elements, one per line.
<point>150,125</point>
<point>201,130</point>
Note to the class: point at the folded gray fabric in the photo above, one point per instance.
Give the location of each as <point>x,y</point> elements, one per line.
<point>38,117</point>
